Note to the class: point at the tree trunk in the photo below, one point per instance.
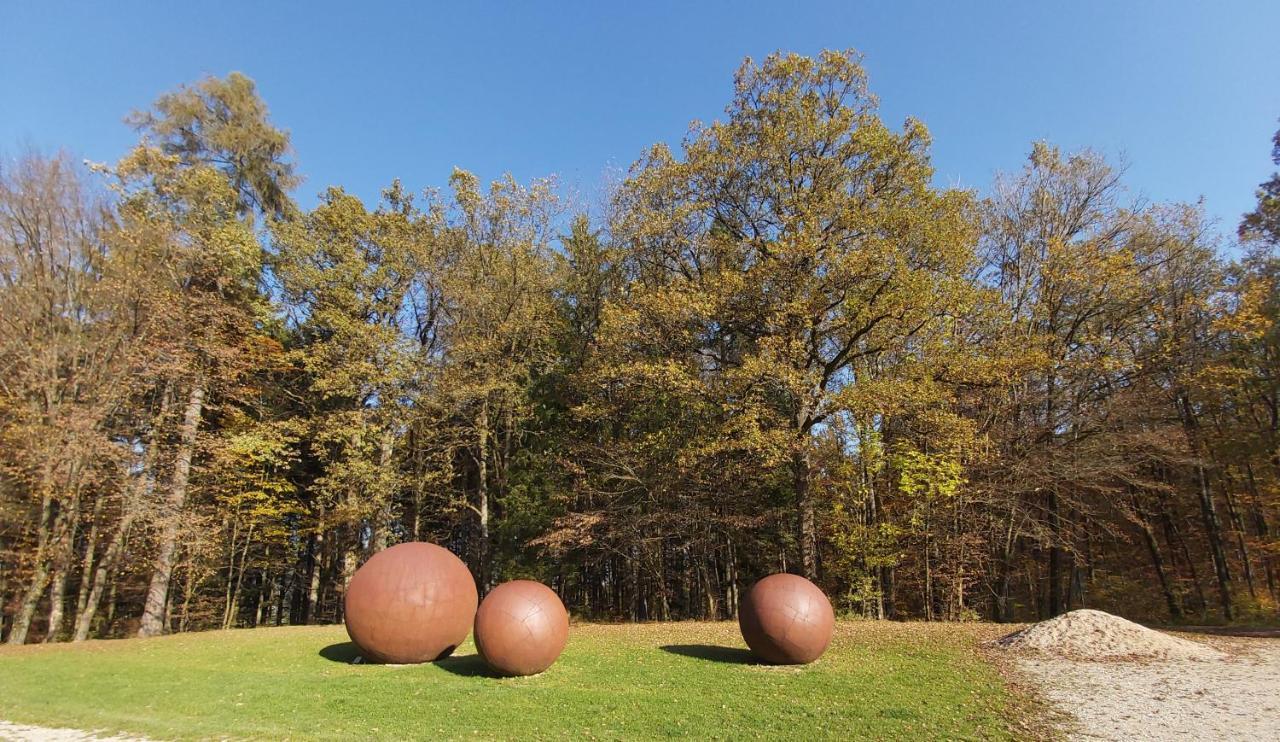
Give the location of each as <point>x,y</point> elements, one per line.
<point>1237,525</point>
<point>154,620</point>
<point>1263,530</point>
<point>39,575</point>
<point>800,470</point>
<point>138,491</point>
<point>266,588</point>
<point>317,560</point>
<point>1213,531</point>
<point>1208,511</point>
<point>5,569</point>
<point>1157,561</point>
<point>1000,600</point>
<point>732,595</point>
<point>482,498</point>
<point>1055,556</point>
<point>101,575</point>
<point>1178,544</point>
<point>232,611</point>
<point>57,600</point>
<point>90,554</point>
<point>382,519</point>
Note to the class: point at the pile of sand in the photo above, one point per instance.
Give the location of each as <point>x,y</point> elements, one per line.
<point>1096,635</point>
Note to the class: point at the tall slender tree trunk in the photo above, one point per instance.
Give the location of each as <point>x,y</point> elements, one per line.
<point>482,497</point>
<point>39,574</point>
<point>229,584</point>
<point>1178,544</point>
<point>382,521</point>
<point>57,601</point>
<point>1004,578</point>
<point>154,620</point>
<point>350,551</point>
<point>800,470</point>
<point>1237,526</point>
<point>1208,511</point>
<point>1213,531</point>
<point>317,562</point>
<point>90,554</point>
<point>266,586</point>
<point>63,548</point>
<point>1055,555</point>
<point>137,492</point>
<point>1157,562</point>
<point>928,568</point>
<point>112,602</point>
<point>1263,530</point>
<point>102,573</point>
<point>883,574</point>
<point>235,580</point>
<point>5,569</point>
<point>731,579</point>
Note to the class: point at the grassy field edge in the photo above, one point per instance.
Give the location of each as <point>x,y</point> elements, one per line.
<point>879,680</point>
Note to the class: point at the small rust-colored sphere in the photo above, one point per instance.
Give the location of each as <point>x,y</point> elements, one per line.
<point>411,603</point>
<point>521,628</point>
<point>786,620</point>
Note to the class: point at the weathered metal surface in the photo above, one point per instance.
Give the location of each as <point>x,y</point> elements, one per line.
<point>786,620</point>
<point>521,628</point>
<point>411,603</point>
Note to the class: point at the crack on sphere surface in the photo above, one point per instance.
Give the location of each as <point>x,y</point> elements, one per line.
<point>521,628</point>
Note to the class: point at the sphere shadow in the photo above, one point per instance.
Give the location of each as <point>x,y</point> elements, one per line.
<point>344,652</point>
<point>470,665</point>
<point>713,653</point>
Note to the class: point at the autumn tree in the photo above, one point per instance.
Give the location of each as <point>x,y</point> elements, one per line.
<point>798,235</point>
<point>64,362</point>
<point>352,278</point>
<point>494,337</point>
<point>223,123</point>
<point>778,346</point>
<point>214,160</point>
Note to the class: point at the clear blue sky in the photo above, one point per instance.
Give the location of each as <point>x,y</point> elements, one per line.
<point>1187,92</point>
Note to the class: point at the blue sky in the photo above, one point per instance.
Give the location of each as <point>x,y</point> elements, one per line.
<point>1187,92</point>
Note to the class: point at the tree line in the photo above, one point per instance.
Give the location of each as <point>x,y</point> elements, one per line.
<point>779,346</point>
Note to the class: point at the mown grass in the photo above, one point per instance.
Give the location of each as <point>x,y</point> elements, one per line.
<point>877,681</point>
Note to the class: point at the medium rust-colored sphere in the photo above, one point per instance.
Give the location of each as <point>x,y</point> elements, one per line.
<point>521,628</point>
<point>786,620</point>
<point>411,603</point>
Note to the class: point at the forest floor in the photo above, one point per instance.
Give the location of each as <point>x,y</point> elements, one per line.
<point>877,681</point>
<point>1235,697</point>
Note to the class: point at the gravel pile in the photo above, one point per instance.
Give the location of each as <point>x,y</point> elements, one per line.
<point>1096,635</point>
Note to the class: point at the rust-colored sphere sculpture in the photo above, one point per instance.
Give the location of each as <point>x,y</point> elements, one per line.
<point>786,620</point>
<point>411,603</point>
<point>521,628</point>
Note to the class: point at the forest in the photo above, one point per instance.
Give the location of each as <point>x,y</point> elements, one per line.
<point>778,346</point>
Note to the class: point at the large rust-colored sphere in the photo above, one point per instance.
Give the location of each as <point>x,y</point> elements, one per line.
<point>786,620</point>
<point>521,628</point>
<point>411,603</point>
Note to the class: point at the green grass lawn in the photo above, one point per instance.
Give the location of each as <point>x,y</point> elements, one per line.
<point>877,681</point>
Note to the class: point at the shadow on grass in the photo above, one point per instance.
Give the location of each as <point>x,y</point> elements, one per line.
<point>470,666</point>
<point>344,652</point>
<point>713,653</point>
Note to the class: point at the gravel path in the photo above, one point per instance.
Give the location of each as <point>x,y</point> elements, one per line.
<point>30,733</point>
<point>1235,698</point>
